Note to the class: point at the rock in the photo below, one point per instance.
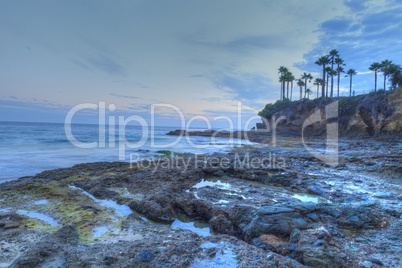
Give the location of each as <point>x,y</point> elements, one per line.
<point>315,190</point>
<point>273,243</point>
<point>376,261</point>
<point>384,195</point>
<point>154,210</point>
<point>48,247</point>
<point>277,220</point>
<point>109,260</point>
<point>314,248</point>
<point>365,264</point>
<point>11,225</point>
<point>193,207</point>
<point>221,224</point>
<point>145,256</point>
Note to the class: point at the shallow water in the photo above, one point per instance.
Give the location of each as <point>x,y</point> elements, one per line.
<point>202,229</point>
<point>121,210</point>
<point>311,198</point>
<point>40,216</point>
<point>223,258</point>
<point>218,184</point>
<point>41,202</point>
<point>99,231</point>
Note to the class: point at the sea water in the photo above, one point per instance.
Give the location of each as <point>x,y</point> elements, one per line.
<point>29,148</point>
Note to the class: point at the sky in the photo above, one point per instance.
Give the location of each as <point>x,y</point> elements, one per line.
<point>201,58</point>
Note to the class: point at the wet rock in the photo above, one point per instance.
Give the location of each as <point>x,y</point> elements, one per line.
<point>384,195</point>
<point>145,256</point>
<point>277,220</point>
<point>11,220</point>
<point>193,207</point>
<point>154,210</point>
<point>221,224</point>
<point>352,216</point>
<point>48,247</point>
<point>315,248</point>
<point>10,225</point>
<point>365,264</point>
<point>273,243</point>
<point>109,260</point>
<point>376,261</point>
<point>315,190</point>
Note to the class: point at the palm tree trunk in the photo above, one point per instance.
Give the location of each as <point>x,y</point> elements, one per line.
<point>385,82</point>
<point>283,90</point>
<point>327,84</point>
<point>301,92</point>
<point>291,90</point>
<point>332,80</point>
<point>339,78</point>
<point>350,87</point>
<point>287,90</point>
<point>323,82</point>
<point>375,81</point>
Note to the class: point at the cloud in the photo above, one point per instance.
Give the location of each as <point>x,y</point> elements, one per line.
<point>337,25</point>
<point>102,62</point>
<point>214,99</point>
<point>250,43</point>
<point>197,76</point>
<point>369,32</point>
<point>356,5</point>
<point>381,21</point>
<point>245,87</point>
<point>28,112</point>
<point>139,107</point>
<point>124,96</point>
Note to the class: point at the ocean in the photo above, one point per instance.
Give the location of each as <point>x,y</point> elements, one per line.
<point>29,148</point>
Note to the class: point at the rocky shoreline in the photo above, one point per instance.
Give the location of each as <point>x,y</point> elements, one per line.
<point>256,206</point>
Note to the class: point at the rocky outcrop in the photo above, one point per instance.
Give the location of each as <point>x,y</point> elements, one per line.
<point>371,115</point>
<point>208,133</point>
<point>375,115</point>
<point>379,114</point>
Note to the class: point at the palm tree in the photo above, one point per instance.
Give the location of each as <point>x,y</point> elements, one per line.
<point>282,81</point>
<point>291,78</point>
<point>385,69</point>
<point>307,93</point>
<point>375,66</point>
<point>288,78</point>
<point>323,61</point>
<point>339,70</point>
<point>306,77</point>
<point>301,84</point>
<point>318,82</point>
<point>328,71</point>
<point>282,71</point>
<point>333,54</point>
<point>332,73</point>
<point>350,73</point>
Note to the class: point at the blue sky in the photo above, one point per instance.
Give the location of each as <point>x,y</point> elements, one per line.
<point>202,56</point>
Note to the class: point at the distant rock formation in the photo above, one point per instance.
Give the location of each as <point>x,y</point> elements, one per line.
<point>209,133</point>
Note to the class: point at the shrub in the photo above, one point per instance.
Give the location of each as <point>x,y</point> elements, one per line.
<point>270,108</point>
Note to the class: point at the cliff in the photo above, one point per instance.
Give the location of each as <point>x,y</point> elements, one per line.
<point>372,115</point>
